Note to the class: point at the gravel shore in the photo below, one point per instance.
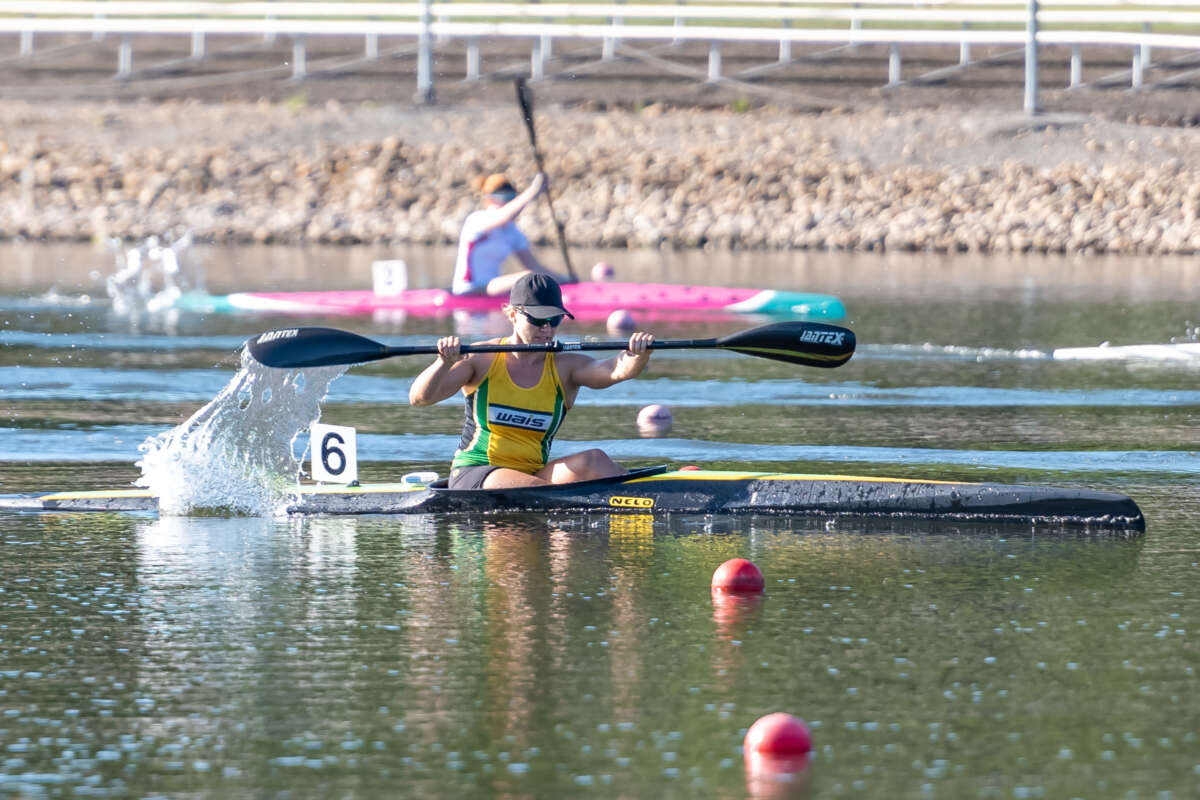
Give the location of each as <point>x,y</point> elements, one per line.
<point>865,179</point>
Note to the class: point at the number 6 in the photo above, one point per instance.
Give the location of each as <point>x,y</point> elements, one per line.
<point>334,456</point>
<point>328,450</point>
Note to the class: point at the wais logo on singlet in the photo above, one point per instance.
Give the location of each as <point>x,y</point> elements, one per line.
<point>519,418</point>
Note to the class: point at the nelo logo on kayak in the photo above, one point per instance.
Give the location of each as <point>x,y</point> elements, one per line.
<point>823,337</point>
<point>271,336</point>
<point>617,501</point>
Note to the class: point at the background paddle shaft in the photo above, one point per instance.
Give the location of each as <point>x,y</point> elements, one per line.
<point>525,100</point>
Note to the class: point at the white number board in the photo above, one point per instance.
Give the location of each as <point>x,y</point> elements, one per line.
<point>334,453</point>
<point>389,278</point>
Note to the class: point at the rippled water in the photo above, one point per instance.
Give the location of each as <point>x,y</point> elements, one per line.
<point>584,655</point>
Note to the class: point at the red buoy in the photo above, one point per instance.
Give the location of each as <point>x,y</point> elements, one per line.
<point>738,575</point>
<point>779,735</point>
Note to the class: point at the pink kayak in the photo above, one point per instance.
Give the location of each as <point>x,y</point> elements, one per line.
<point>586,300</point>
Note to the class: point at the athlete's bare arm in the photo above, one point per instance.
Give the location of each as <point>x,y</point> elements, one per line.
<point>449,373</point>
<point>626,365</point>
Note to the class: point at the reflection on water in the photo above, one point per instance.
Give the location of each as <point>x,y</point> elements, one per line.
<point>777,777</point>
<point>519,655</point>
<point>34,267</point>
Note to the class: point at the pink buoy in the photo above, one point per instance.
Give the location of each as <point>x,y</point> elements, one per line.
<point>778,735</point>
<point>655,413</point>
<point>620,321</point>
<point>603,271</point>
<point>738,575</point>
<point>654,420</point>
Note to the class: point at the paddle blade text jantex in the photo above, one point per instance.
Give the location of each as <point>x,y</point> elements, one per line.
<point>294,348</point>
<point>811,344</point>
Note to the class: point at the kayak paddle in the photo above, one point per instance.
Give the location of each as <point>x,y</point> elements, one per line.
<point>525,100</point>
<point>811,344</point>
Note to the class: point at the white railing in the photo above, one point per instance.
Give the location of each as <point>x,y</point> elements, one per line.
<point>893,23</point>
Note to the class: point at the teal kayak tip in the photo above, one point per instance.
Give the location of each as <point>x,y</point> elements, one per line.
<point>204,303</point>
<point>804,305</point>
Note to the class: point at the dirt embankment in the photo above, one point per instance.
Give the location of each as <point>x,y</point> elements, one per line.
<point>947,179</point>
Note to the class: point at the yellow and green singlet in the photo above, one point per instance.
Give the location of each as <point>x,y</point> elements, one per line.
<point>507,425</point>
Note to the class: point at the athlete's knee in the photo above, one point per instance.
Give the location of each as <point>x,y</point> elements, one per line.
<point>595,463</point>
<point>594,459</point>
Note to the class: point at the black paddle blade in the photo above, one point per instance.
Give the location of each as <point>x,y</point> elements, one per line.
<point>293,348</point>
<point>812,344</point>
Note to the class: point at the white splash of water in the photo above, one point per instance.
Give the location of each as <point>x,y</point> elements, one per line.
<point>235,455</point>
<point>150,276</point>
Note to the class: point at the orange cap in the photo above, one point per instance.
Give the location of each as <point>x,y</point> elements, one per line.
<point>495,183</point>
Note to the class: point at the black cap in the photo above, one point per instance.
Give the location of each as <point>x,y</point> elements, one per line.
<point>538,295</point>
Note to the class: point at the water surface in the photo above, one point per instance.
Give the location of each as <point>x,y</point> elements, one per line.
<point>523,655</point>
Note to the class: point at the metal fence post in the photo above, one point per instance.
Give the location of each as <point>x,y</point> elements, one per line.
<point>608,49</point>
<point>537,63</point>
<point>547,45</point>
<point>299,58</point>
<point>855,26</point>
<point>1031,59</point>
<point>473,58</point>
<point>125,58</point>
<point>425,57</point>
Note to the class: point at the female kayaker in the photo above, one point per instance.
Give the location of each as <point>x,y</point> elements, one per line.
<point>490,235</point>
<point>515,402</point>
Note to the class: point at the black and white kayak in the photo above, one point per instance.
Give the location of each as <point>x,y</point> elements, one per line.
<point>658,490</point>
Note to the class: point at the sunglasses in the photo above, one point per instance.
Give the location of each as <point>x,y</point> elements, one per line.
<point>538,322</point>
